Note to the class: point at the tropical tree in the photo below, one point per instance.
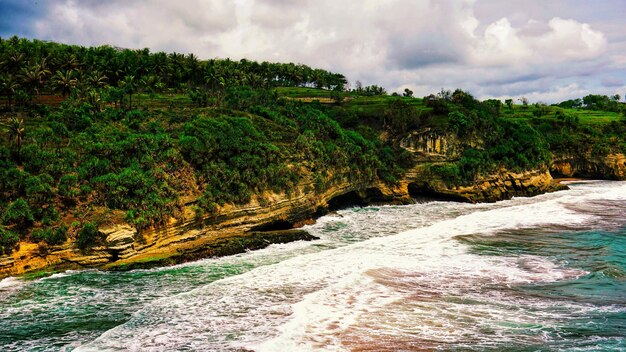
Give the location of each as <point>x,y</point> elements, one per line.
<point>94,99</point>
<point>96,79</point>
<point>9,86</point>
<point>216,83</point>
<point>524,101</point>
<point>15,61</point>
<point>16,133</point>
<point>64,81</point>
<point>34,76</point>
<point>130,85</point>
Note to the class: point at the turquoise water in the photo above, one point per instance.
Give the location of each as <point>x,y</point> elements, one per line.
<point>546,273</point>
<point>587,312</point>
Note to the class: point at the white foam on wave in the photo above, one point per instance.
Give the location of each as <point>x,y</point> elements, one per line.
<point>10,283</point>
<point>64,274</point>
<point>306,302</point>
<point>443,265</point>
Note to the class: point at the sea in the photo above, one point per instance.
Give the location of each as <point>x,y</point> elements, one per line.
<point>545,273</point>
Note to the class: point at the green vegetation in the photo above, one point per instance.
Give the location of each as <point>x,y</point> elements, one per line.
<point>503,143</point>
<point>88,236</point>
<point>140,133</point>
<point>51,236</point>
<point>8,240</point>
<point>100,135</point>
<point>594,125</point>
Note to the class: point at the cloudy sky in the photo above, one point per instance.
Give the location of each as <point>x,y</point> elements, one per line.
<point>544,50</point>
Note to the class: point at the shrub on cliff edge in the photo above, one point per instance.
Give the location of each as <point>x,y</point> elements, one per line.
<point>8,241</point>
<point>88,236</point>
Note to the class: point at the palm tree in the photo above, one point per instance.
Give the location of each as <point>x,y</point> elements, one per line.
<point>9,87</point>
<point>216,83</point>
<point>31,78</point>
<point>96,79</point>
<point>149,84</point>
<point>129,84</point>
<point>15,60</point>
<point>95,100</point>
<point>71,62</point>
<point>34,76</point>
<point>64,81</point>
<point>16,133</point>
<point>193,69</point>
<point>42,69</point>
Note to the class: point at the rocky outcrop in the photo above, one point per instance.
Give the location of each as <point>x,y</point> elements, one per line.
<point>501,185</point>
<point>233,229</point>
<point>430,145</point>
<point>612,166</point>
<point>270,218</point>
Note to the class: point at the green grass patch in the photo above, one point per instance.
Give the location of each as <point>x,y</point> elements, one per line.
<point>302,92</point>
<point>584,116</point>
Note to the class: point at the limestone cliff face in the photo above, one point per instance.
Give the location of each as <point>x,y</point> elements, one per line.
<point>429,144</point>
<point>612,166</point>
<point>234,229</point>
<point>501,185</point>
<point>432,147</point>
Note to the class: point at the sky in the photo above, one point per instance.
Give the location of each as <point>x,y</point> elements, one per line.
<point>544,50</point>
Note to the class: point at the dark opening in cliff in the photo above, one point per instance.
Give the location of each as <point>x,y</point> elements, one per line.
<point>277,225</point>
<point>346,200</point>
<point>424,192</point>
<point>369,196</point>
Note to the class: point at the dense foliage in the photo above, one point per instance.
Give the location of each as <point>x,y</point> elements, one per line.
<point>222,137</point>
<point>491,142</point>
<point>108,74</point>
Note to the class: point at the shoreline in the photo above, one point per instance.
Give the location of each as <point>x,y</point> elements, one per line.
<point>251,228</point>
<point>561,180</point>
<point>240,228</point>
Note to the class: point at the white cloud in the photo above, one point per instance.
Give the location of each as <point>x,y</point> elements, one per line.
<point>500,45</point>
<point>157,24</point>
<point>566,40</point>
<point>396,43</point>
<point>569,39</point>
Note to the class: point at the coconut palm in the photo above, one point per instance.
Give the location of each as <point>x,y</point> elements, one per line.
<point>34,76</point>
<point>64,81</point>
<point>94,99</point>
<point>130,85</point>
<point>71,62</point>
<point>96,79</point>
<point>9,86</point>
<point>15,61</point>
<point>16,133</point>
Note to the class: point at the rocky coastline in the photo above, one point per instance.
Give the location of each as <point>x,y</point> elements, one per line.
<point>277,218</point>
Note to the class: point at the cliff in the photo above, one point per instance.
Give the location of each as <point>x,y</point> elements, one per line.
<point>501,185</point>
<point>237,228</point>
<point>611,166</point>
<point>233,229</point>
